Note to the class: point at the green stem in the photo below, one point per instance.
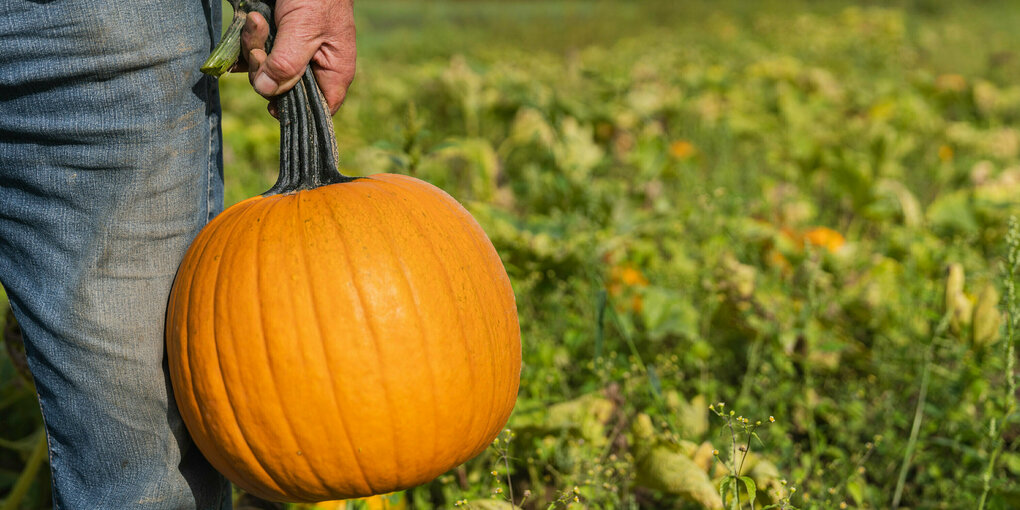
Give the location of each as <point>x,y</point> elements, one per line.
<point>986,487</point>
<point>22,445</point>
<point>922,396</point>
<point>27,476</point>
<point>914,431</point>
<point>733,463</point>
<point>1012,304</point>
<point>753,361</point>
<point>226,52</point>
<point>509,480</point>
<point>308,148</point>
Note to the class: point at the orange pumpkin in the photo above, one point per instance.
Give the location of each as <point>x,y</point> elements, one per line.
<point>339,340</point>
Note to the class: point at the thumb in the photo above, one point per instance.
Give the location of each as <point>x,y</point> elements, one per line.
<point>285,64</point>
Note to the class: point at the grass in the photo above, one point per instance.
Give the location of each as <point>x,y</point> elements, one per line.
<point>798,209</point>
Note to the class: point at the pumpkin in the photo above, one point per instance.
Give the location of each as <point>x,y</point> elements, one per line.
<point>341,337</point>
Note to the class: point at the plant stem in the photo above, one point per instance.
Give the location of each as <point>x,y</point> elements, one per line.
<point>509,482</point>
<point>733,463</point>
<point>225,54</point>
<point>1012,316</point>
<point>986,479</point>
<point>27,476</point>
<point>747,448</point>
<point>915,429</point>
<point>308,150</point>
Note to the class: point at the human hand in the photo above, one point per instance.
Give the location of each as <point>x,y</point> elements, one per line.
<point>320,32</point>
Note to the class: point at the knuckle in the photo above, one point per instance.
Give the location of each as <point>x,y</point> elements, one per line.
<point>286,67</point>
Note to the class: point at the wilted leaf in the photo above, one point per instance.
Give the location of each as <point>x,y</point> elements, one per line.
<point>395,501</point>
<point>585,415</point>
<point>704,457</point>
<point>666,470</point>
<point>766,475</point>
<point>587,408</point>
<point>910,207</point>
<point>530,126</point>
<point>954,284</point>
<point>957,304</point>
<point>736,277</point>
<point>986,318</point>
<point>576,152</point>
<point>693,417</point>
<point>491,504</point>
<point>665,467</point>
<point>469,164</point>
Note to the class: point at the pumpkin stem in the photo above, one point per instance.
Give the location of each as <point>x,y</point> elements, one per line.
<point>226,52</point>
<point>308,148</point>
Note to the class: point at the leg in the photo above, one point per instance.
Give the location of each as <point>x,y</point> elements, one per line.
<point>109,165</point>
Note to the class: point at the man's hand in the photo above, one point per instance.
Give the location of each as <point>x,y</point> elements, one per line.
<point>316,31</point>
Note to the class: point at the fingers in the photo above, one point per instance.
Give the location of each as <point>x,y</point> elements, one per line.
<point>253,36</point>
<point>320,34</point>
<point>334,68</point>
<point>294,46</point>
<point>256,58</point>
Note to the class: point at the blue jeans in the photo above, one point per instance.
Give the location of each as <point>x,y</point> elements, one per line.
<point>110,164</point>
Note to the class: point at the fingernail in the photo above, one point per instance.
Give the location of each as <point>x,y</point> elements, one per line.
<point>264,84</point>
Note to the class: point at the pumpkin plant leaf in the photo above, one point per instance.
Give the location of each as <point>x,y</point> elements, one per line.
<point>669,471</point>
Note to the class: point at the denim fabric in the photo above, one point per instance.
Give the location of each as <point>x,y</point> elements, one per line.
<point>110,163</point>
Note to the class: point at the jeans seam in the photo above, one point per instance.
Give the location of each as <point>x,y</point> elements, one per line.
<point>49,448</point>
<point>210,164</point>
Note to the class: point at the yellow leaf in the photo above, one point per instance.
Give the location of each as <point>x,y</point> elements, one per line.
<point>986,317</point>
<point>668,467</point>
<point>957,304</point>
<point>682,149</point>
<point>826,238</point>
<point>945,153</point>
<point>394,501</point>
<point>693,417</point>
<point>951,83</point>
<point>705,456</point>
<point>328,505</point>
<point>491,504</point>
<point>736,277</point>
<point>668,471</point>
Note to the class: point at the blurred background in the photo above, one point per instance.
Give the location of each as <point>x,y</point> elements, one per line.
<point>795,212</point>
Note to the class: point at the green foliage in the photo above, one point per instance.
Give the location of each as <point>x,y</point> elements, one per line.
<point>797,208</point>
<point>24,481</point>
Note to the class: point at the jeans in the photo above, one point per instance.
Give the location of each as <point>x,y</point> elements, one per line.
<point>110,164</point>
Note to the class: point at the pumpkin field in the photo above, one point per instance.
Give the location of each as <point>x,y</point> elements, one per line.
<point>764,254</point>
